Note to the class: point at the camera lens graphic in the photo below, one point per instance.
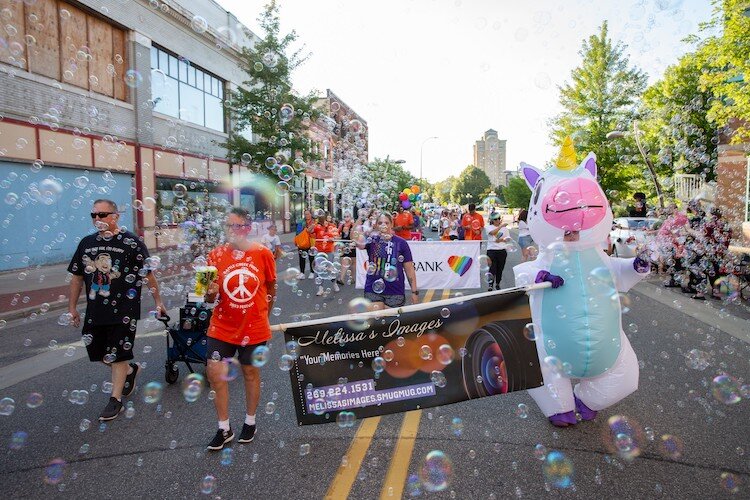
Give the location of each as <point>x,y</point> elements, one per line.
<point>492,358</point>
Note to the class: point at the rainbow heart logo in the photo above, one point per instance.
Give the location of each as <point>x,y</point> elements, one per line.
<point>460,264</point>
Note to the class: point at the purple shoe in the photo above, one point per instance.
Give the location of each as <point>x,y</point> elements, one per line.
<point>563,419</point>
<point>583,410</point>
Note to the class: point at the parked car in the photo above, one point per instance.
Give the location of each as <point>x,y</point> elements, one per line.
<point>629,232</point>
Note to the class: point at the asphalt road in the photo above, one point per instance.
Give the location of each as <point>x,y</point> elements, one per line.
<point>158,451</point>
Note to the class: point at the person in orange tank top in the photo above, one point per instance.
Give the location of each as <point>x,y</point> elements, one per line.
<point>325,234</point>
<point>473,223</point>
<point>403,223</point>
<point>246,288</point>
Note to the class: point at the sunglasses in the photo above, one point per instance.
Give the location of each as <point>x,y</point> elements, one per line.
<point>237,226</point>
<point>101,215</point>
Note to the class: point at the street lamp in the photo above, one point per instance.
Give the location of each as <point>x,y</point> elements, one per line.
<point>421,149</point>
<point>619,134</point>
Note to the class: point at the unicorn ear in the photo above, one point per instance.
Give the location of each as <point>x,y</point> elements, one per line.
<point>589,163</point>
<point>530,174</point>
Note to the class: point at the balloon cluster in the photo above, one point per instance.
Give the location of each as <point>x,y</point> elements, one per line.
<point>409,196</point>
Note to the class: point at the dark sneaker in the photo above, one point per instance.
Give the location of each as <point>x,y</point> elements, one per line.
<point>221,438</point>
<point>247,434</point>
<point>130,381</point>
<point>112,409</point>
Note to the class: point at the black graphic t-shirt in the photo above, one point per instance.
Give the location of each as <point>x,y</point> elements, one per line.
<point>113,270</point>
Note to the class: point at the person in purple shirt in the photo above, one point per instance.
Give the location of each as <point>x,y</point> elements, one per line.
<point>388,258</point>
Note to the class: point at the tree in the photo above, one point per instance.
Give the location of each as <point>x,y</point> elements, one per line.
<point>517,194</point>
<point>267,106</point>
<point>602,97</point>
<point>471,186</point>
<point>727,56</point>
<point>376,184</point>
<point>441,193</point>
<point>676,124</point>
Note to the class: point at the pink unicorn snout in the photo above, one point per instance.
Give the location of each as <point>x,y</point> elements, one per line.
<point>574,205</point>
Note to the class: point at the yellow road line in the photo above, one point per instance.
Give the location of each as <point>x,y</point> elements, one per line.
<point>395,480</point>
<point>347,473</point>
<point>428,295</point>
<point>446,293</point>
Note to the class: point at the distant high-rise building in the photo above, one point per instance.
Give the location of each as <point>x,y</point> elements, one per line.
<point>489,156</point>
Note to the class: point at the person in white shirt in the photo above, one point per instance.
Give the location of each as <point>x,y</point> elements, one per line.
<point>524,237</point>
<point>272,241</point>
<point>498,237</point>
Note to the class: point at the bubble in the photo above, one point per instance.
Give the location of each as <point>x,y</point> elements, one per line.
<point>726,389</point>
<point>445,312</point>
<point>391,273</point>
<point>378,286</point>
<point>670,446</point>
<point>697,359</point>
<point>729,482</point>
<point>359,305</point>
<point>55,471</point>
<point>522,411</point>
<point>11,198</point>
<point>624,437</point>
<point>425,352</point>
<point>457,426</point>
<point>208,484</point>
<point>192,387</point>
<point>199,24</point>
<point>540,452</point>
<point>270,408</point>
<point>282,187</point>
<point>226,456</point>
<point>180,190</point>
<point>286,362</point>
<point>34,400</point>
<point>558,469</point>
<point>436,471</point>
<point>7,405</point>
<point>18,440</point>
<point>231,369</point>
<point>270,59</point>
<point>378,364</point>
<point>260,356</point>
<point>446,354</point>
<point>345,419</point>
<point>529,331</point>
<point>292,348</point>
<point>270,162</point>
<point>152,392</point>
<point>84,425</point>
<point>438,378</point>
<point>133,78</point>
<point>47,192</point>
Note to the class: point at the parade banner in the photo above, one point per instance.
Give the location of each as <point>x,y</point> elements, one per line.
<point>439,264</point>
<point>419,356</point>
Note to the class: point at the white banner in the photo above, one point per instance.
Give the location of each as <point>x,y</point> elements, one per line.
<point>439,264</point>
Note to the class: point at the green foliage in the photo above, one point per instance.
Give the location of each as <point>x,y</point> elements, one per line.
<point>441,192</point>
<point>600,98</point>
<point>727,55</point>
<point>471,186</point>
<point>267,105</point>
<point>676,124</point>
<point>517,194</point>
<point>388,179</point>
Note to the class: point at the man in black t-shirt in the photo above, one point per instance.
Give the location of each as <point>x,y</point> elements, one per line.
<point>113,264</point>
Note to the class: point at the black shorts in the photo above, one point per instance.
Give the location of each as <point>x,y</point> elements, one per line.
<point>388,300</point>
<point>109,343</point>
<point>228,350</point>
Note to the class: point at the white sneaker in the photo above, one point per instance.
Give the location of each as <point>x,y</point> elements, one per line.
<point>311,275</point>
<point>320,291</point>
<point>336,287</point>
<point>301,276</point>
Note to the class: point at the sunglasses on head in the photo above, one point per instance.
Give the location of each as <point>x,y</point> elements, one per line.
<point>101,215</point>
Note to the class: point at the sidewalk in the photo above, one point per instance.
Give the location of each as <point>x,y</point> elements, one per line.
<point>26,291</point>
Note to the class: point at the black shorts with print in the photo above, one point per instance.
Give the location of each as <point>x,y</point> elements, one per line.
<point>109,343</point>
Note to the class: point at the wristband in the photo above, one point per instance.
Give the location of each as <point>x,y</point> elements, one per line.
<point>415,292</point>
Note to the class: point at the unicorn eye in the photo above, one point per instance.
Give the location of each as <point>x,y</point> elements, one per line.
<point>537,190</point>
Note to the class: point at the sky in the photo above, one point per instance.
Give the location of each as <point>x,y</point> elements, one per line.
<point>455,68</point>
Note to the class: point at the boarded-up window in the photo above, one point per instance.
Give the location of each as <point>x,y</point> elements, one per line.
<point>57,40</point>
<point>42,38</point>
<point>101,69</point>
<point>75,51</point>
<point>13,31</point>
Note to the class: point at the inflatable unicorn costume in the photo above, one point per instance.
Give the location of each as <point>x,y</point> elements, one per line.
<point>577,321</point>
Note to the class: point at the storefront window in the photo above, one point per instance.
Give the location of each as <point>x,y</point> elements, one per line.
<point>179,200</point>
<point>184,91</point>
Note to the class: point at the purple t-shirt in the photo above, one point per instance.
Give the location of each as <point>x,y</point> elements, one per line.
<point>387,258</point>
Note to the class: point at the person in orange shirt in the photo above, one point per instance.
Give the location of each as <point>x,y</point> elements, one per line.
<point>473,223</point>
<point>246,288</point>
<point>403,223</point>
<point>325,234</point>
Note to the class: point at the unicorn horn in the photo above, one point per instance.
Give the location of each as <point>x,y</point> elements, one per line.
<point>567,158</point>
